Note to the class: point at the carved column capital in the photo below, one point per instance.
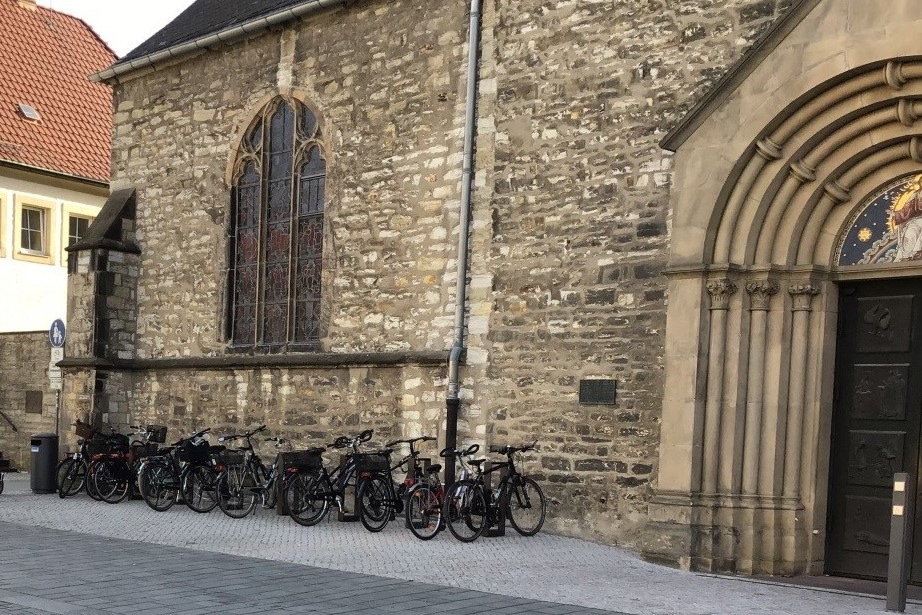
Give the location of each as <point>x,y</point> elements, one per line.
<point>803,293</point>
<point>720,291</point>
<point>760,292</point>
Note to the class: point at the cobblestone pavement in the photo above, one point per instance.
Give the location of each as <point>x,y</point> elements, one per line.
<point>127,577</point>
<point>547,568</point>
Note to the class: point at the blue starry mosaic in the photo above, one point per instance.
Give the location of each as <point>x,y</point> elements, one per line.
<point>887,227</point>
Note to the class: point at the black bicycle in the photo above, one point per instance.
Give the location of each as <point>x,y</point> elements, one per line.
<point>187,468</point>
<point>110,472</point>
<point>245,479</point>
<point>380,498</point>
<point>470,508</point>
<point>71,471</point>
<point>309,494</point>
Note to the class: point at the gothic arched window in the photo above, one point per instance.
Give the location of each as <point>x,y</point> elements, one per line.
<point>276,234</point>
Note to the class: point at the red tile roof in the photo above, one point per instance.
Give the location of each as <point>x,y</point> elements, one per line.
<point>45,58</point>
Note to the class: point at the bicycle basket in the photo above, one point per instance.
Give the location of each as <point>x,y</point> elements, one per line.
<point>231,458</point>
<point>371,463</point>
<point>141,451</point>
<point>96,447</point>
<point>157,433</point>
<point>194,453</point>
<point>84,430</point>
<point>303,460</point>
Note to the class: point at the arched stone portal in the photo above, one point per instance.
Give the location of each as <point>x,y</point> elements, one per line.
<point>765,189</point>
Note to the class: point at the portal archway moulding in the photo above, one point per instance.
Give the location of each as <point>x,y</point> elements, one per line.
<point>748,403</point>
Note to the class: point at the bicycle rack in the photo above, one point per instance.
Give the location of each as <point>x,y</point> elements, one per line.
<point>500,528</point>
<point>349,497</point>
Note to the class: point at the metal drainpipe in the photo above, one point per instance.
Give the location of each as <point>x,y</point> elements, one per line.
<point>452,401</point>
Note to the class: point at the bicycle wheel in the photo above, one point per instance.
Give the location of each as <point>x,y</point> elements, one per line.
<point>158,486</point>
<point>465,510</point>
<point>375,503</point>
<point>305,498</point>
<point>199,489</point>
<point>235,492</point>
<point>89,483</point>
<point>111,481</point>
<point>527,506</point>
<point>423,512</point>
<point>71,476</point>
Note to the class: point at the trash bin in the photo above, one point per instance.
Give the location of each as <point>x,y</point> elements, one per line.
<point>44,461</point>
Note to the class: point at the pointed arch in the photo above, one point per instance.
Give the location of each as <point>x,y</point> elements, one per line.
<point>275,234</point>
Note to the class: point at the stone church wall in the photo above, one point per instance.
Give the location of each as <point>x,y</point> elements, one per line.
<point>581,222</point>
<point>24,394</point>
<point>391,106</point>
<point>569,235</point>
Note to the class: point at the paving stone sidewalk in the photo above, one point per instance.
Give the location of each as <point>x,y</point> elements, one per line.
<point>546,568</point>
<point>80,574</point>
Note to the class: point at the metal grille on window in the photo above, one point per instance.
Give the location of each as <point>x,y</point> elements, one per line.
<point>277,230</point>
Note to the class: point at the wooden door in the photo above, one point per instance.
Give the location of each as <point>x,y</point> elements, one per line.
<point>876,422</point>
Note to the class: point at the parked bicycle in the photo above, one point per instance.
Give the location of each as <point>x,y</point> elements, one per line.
<point>110,472</point>
<point>186,467</point>
<point>246,480</point>
<point>309,494</point>
<point>71,471</point>
<point>380,498</point>
<point>424,503</point>
<point>470,507</point>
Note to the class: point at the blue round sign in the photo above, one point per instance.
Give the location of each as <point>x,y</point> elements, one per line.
<point>57,333</point>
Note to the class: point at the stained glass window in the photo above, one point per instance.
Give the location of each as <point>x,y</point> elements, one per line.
<point>277,230</point>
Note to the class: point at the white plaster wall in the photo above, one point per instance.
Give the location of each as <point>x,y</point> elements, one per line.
<point>32,295</point>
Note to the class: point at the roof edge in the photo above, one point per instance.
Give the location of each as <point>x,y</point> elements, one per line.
<point>225,36</point>
<point>60,175</point>
<point>737,73</point>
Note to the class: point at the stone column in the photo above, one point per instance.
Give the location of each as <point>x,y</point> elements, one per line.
<point>802,293</point>
<point>720,292</point>
<point>760,293</point>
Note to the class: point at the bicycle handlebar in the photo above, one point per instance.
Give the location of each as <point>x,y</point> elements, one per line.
<point>511,450</point>
<point>461,452</point>
<point>248,434</point>
<point>344,441</point>
<point>411,441</point>
<point>197,434</point>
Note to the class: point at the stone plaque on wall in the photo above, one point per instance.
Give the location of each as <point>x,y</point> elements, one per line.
<point>597,392</point>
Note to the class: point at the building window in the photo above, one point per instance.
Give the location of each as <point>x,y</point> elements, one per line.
<point>76,228</point>
<point>34,235</point>
<point>276,234</point>
<point>77,218</point>
<point>34,231</point>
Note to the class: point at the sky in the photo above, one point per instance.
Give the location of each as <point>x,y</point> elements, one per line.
<point>122,25</point>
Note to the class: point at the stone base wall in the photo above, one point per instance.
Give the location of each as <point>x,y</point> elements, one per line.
<point>309,406</point>
<point>24,368</point>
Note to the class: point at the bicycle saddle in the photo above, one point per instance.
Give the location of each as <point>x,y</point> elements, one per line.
<point>477,462</point>
<point>434,469</point>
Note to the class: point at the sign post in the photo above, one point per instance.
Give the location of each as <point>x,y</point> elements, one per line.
<point>57,333</point>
